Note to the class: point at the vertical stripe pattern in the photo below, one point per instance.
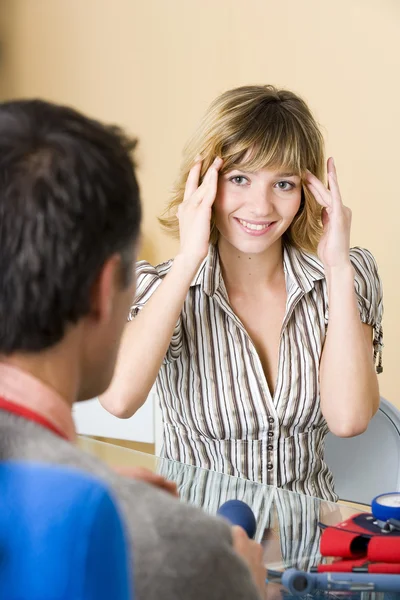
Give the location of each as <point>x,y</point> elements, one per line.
<point>290,518</point>
<point>217,410</point>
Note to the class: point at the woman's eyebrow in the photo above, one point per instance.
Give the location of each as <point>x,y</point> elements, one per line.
<point>242,170</point>
<point>287,174</point>
<point>248,171</point>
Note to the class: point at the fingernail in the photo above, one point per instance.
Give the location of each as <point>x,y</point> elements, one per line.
<point>198,158</point>
<point>217,161</point>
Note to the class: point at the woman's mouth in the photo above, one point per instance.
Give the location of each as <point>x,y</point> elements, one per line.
<point>255,227</point>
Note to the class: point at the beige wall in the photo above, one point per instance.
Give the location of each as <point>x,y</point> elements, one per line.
<point>154,65</point>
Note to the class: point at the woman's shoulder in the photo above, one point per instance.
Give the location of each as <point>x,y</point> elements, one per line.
<point>366,279</point>
<point>363,258</point>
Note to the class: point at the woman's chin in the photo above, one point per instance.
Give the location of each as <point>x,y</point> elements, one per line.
<point>251,246</point>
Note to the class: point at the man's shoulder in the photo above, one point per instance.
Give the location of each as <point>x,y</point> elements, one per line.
<point>24,440</point>
<point>179,552</point>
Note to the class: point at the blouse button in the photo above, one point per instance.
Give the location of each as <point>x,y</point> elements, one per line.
<point>270,466</point>
<point>270,434</point>
<point>271,420</point>
<point>270,447</point>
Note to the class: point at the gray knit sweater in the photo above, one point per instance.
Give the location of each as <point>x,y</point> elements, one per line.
<point>179,553</point>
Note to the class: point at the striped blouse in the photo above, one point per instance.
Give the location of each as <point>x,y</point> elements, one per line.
<point>218,412</point>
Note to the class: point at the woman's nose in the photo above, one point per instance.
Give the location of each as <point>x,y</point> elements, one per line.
<point>262,202</point>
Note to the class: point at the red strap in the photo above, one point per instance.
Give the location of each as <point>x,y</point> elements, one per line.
<point>341,566</point>
<point>384,568</point>
<point>337,542</point>
<point>383,548</point>
<point>347,566</point>
<point>29,414</point>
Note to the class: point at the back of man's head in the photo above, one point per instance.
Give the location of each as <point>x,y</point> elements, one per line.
<point>69,200</point>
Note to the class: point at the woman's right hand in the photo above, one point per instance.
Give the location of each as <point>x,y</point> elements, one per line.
<point>194,214</point>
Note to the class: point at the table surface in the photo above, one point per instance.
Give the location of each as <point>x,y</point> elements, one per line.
<point>287,523</point>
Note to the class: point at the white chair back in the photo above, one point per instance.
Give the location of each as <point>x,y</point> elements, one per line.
<point>369,464</point>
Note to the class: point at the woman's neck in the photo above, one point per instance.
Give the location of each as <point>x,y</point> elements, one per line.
<point>244,273</point>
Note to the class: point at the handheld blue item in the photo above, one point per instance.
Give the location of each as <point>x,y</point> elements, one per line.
<point>239,513</point>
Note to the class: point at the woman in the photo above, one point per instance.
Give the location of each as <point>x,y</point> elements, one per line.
<point>263,332</point>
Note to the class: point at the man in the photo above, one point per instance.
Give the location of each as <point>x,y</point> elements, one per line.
<point>69,226</point>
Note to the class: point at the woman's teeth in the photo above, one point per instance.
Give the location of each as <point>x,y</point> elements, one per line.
<point>253,225</point>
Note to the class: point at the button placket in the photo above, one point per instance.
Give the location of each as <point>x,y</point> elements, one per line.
<point>271,450</point>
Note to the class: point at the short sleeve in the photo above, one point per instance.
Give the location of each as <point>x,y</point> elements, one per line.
<point>148,279</point>
<point>368,287</point>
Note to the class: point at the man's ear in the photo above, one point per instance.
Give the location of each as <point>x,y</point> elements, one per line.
<point>104,288</point>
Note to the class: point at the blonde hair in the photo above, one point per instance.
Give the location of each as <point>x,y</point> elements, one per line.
<point>258,127</point>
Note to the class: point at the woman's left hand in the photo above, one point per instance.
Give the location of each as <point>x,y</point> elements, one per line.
<point>334,246</point>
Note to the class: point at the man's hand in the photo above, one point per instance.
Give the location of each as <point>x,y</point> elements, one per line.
<point>252,553</point>
<point>143,474</point>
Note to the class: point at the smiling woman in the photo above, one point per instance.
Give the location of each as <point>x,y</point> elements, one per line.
<point>244,330</point>
<point>255,204</point>
<point>252,128</point>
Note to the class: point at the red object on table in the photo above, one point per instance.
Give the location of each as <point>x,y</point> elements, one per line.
<point>359,544</point>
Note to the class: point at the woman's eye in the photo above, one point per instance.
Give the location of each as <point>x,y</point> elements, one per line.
<point>285,185</point>
<point>239,180</point>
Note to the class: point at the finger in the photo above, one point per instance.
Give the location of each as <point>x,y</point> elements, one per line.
<point>167,483</point>
<point>143,474</point>
<point>317,195</point>
<point>134,472</point>
<point>197,197</point>
<point>168,486</point>
<point>192,182</point>
<point>240,538</point>
<point>172,488</point>
<point>324,217</point>
<point>318,185</point>
<point>157,479</point>
<point>333,183</point>
<point>215,166</point>
<point>210,191</point>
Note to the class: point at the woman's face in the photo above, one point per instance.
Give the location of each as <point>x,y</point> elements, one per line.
<point>252,210</point>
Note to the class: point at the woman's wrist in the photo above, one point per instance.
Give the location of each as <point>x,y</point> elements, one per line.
<point>339,271</point>
<point>340,278</point>
<point>188,265</point>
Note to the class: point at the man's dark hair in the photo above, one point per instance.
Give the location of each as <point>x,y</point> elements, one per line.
<point>69,200</point>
